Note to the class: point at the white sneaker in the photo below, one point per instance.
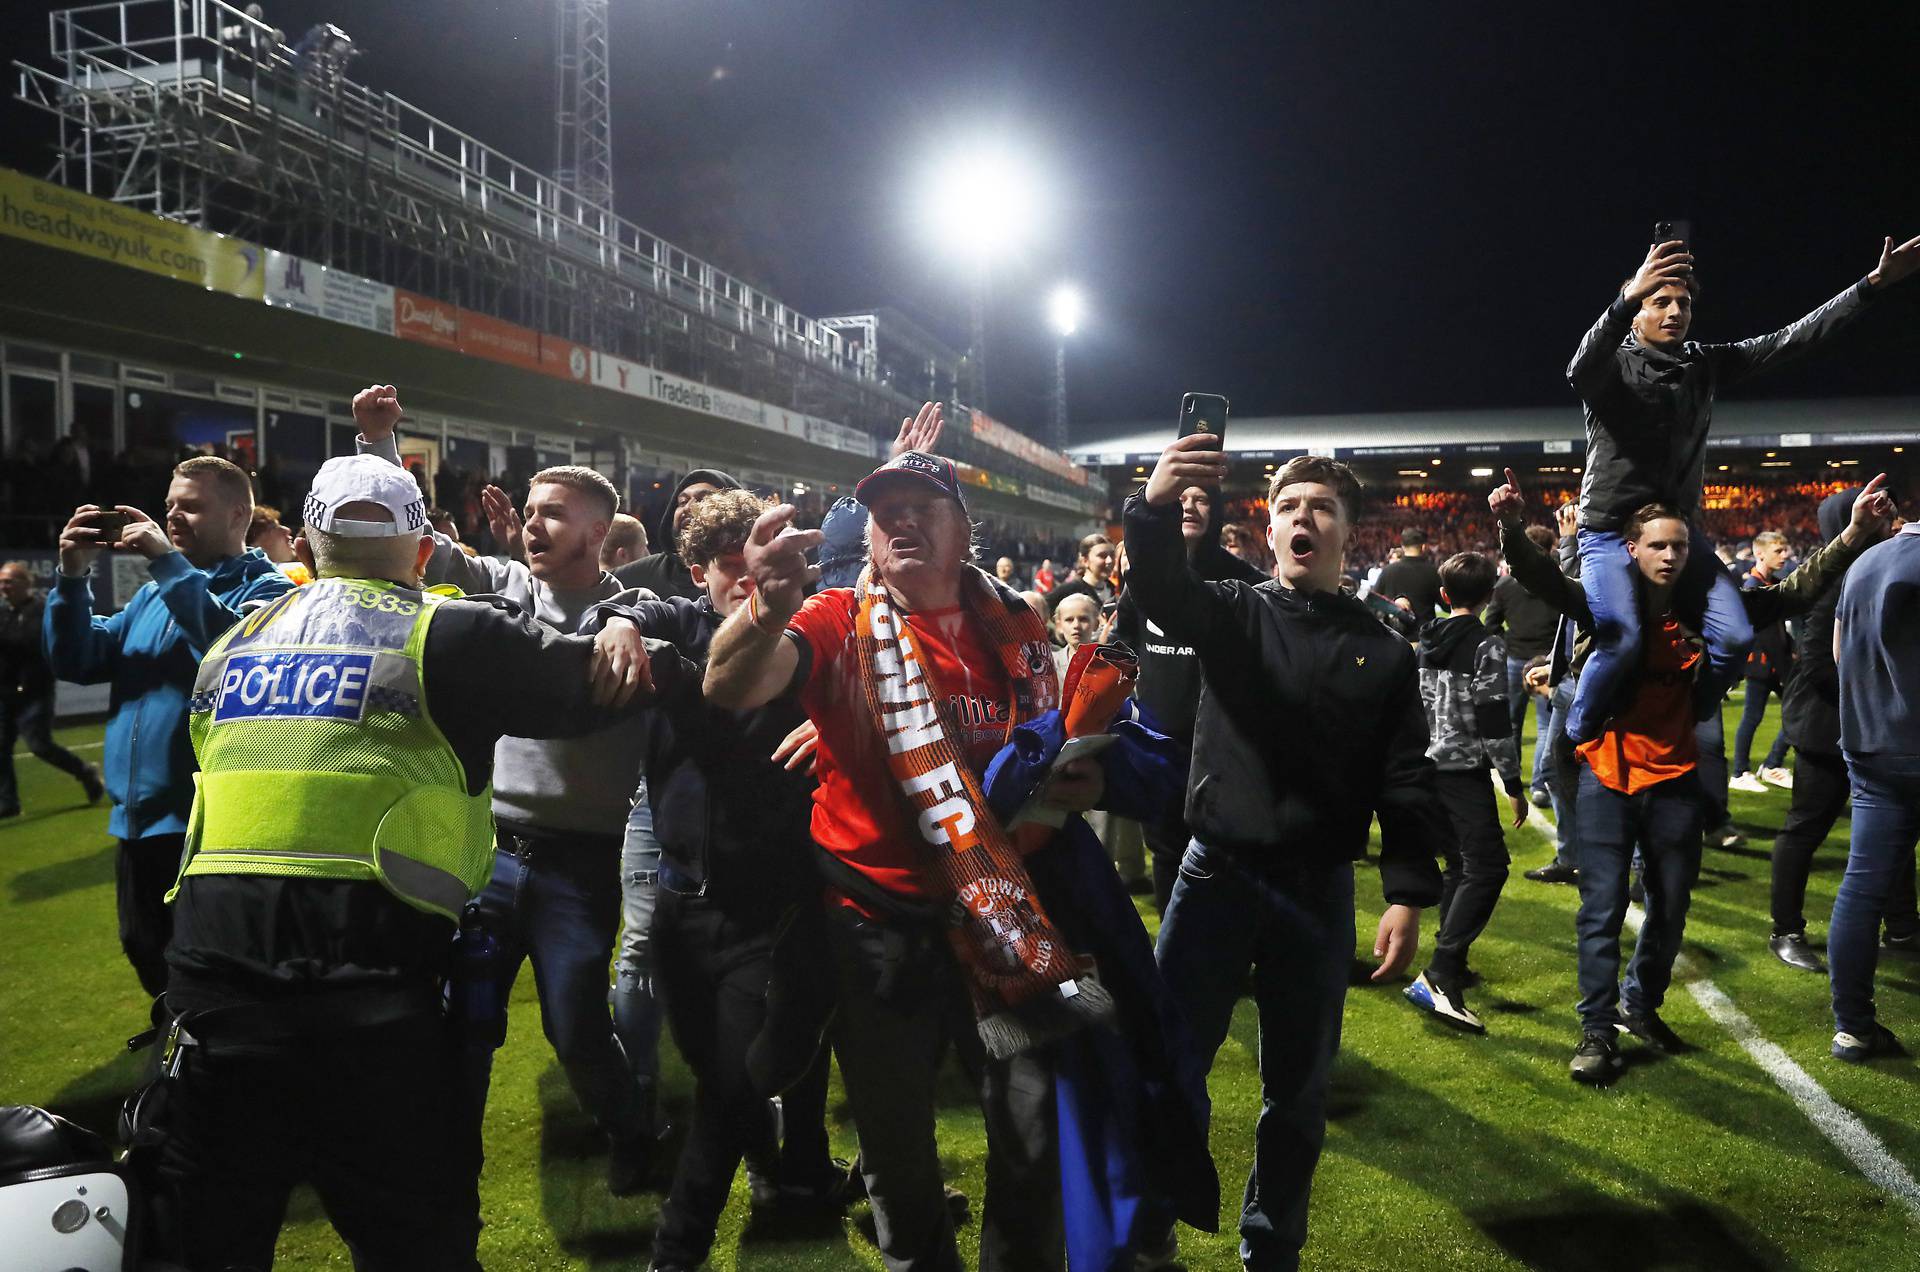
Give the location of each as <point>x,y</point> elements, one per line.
<point>1783,778</point>
<point>1747,782</point>
<point>1449,1005</point>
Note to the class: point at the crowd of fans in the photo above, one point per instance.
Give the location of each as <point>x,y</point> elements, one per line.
<point>1458,521</point>
<point>818,794</point>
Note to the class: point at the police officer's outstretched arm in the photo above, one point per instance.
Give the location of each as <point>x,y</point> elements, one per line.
<point>492,670</point>
<point>376,409</point>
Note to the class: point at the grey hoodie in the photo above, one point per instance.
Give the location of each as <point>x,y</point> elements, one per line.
<point>584,784</point>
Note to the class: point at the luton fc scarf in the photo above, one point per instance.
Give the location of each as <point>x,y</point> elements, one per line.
<point>1027,986</point>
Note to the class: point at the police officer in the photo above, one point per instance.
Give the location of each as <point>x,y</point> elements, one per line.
<point>345,737</point>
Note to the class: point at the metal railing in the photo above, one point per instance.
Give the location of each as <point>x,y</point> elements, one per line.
<point>196,46</point>
<point>117,60</point>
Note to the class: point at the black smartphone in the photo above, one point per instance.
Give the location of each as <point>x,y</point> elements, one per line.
<point>1204,413</point>
<point>109,526</point>
<point>1673,231</point>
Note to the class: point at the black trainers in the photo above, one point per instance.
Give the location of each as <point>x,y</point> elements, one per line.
<point>1541,798</point>
<point>630,1162</point>
<point>1157,1254</point>
<point>1792,949</point>
<point>827,1192</point>
<point>1906,943</point>
<point>1857,1050</point>
<point>1650,1029</point>
<point>1554,872</point>
<point>1596,1061</point>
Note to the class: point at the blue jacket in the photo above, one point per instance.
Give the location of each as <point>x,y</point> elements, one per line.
<point>149,652</point>
<point>1130,1104</point>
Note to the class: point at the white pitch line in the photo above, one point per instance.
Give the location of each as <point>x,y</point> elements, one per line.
<point>1843,1130</point>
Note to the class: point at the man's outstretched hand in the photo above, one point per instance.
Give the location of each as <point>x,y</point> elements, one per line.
<point>1896,263</point>
<point>776,558</point>
<point>1506,502</point>
<point>1196,460</point>
<point>376,409</point>
<point>1668,262</point>
<point>919,432</point>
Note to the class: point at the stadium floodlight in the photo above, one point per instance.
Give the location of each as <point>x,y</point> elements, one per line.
<point>982,203</point>
<point>1064,310</point>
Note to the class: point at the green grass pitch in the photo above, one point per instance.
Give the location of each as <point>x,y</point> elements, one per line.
<point>1444,1151</point>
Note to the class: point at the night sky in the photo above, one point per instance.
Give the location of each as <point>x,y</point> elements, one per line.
<point>1327,207</point>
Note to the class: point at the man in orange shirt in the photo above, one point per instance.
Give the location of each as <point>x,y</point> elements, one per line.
<point>1637,783</point>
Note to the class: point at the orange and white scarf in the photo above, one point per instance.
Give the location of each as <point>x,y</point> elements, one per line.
<point>1027,985</point>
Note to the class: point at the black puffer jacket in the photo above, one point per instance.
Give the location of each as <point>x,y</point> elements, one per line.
<point>1309,722</point>
<point>1810,709</point>
<point>1648,412</point>
<point>664,573</point>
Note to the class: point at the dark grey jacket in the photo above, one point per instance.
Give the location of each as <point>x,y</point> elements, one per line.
<point>1648,412</point>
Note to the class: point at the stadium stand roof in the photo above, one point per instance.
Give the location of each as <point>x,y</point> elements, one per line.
<point>1547,430</point>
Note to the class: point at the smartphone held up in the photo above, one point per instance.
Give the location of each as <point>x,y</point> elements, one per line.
<point>1204,413</point>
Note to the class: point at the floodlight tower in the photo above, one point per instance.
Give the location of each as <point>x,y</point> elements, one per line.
<point>1064,311</point>
<point>583,120</point>
<point>982,205</point>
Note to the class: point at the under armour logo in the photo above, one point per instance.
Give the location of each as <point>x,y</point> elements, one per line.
<point>1359,660</point>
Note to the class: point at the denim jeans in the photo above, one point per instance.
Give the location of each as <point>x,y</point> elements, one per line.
<point>1886,824</point>
<point>1563,775</point>
<point>1752,711</point>
<point>556,901</point>
<point>1517,696</point>
<point>1706,597</point>
<point>1665,821</point>
<point>1293,923</point>
<point>1820,790</point>
<point>636,1010</point>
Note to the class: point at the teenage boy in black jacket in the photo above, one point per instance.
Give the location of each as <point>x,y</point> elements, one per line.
<point>1463,673</point>
<point>1309,724</point>
<point>1169,684</point>
<point>736,859</point>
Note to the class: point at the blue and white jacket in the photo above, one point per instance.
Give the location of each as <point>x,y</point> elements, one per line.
<point>149,652</point>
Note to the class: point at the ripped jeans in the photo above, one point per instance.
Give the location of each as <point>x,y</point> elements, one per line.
<point>636,1012</point>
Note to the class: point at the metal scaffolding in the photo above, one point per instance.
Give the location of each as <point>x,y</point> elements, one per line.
<point>193,110</point>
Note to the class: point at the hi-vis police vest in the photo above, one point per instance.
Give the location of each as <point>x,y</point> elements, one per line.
<point>319,758</point>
